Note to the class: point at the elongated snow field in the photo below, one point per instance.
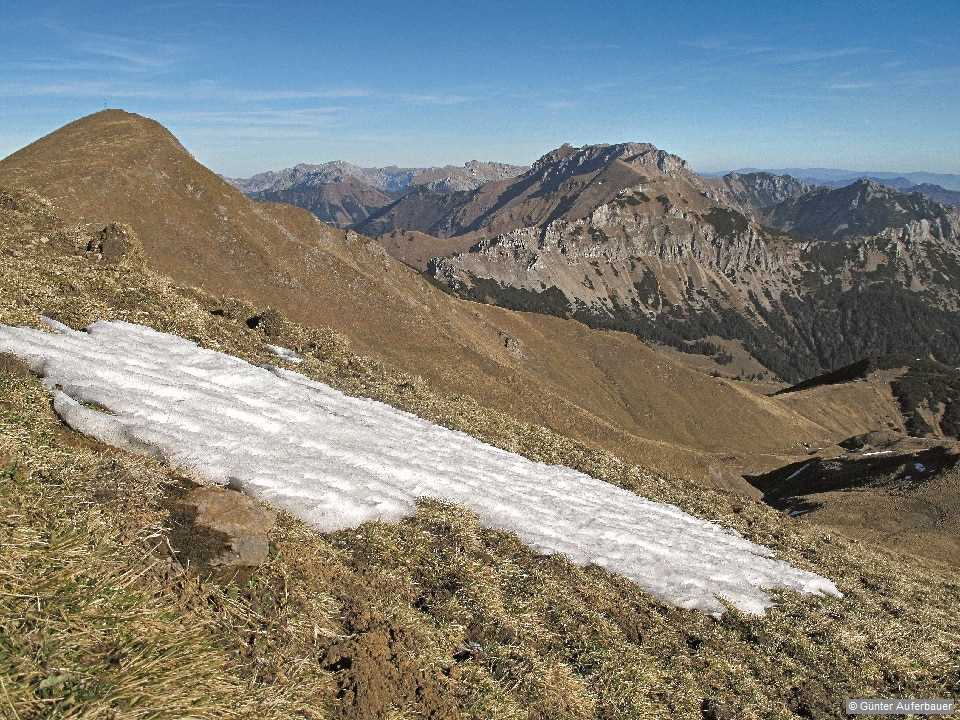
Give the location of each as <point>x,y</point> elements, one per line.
<point>338,461</point>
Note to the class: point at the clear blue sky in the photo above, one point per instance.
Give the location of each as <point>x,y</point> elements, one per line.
<point>250,86</point>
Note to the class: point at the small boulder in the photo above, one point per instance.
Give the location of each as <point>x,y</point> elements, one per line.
<point>110,243</point>
<point>220,528</point>
<point>511,344</point>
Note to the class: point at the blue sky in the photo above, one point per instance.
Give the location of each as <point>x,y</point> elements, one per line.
<point>249,86</point>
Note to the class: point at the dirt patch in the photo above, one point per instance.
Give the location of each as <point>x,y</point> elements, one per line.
<point>377,670</point>
<point>13,366</point>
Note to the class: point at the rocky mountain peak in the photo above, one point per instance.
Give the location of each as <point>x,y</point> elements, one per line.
<point>644,157</point>
<point>870,186</point>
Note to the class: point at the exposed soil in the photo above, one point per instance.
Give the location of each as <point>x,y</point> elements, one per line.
<point>377,669</point>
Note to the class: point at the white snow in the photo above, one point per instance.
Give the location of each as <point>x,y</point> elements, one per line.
<point>283,353</point>
<point>798,471</point>
<point>877,452</point>
<point>338,461</point>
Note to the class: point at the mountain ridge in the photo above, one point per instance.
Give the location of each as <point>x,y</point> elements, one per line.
<point>345,194</point>
<point>750,255</point>
<point>827,176</point>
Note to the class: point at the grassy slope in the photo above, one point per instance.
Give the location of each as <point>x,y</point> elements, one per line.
<point>431,617</point>
<point>603,388</point>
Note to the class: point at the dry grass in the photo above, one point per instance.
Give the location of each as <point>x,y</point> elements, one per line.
<point>431,617</point>
<point>82,636</point>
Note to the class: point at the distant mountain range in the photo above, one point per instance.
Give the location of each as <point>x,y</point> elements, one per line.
<point>807,271</point>
<point>831,177</point>
<point>390,199</point>
<point>344,194</point>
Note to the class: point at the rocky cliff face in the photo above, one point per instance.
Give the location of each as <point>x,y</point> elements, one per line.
<point>628,258</point>
<point>751,193</point>
<point>627,237</point>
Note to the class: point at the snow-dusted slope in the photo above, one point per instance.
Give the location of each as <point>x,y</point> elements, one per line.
<point>338,461</point>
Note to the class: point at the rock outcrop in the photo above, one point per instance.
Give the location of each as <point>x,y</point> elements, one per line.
<point>628,256</point>
<point>220,528</point>
<point>112,242</point>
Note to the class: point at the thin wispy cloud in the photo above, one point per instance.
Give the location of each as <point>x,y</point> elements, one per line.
<point>302,117</point>
<point>125,52</point>
<point>603,86</point>
<point>727,47</point>
<point>208,92</point>
<point>163,7</point>
<point>929,77</point>
<point>305,94</point>
<point>819,55</point>
<point>257,133</point>
<point>129,55</point>
<point>415,98</point>
<point>81,89</point>
<point>555,105</point>
<point>775,55</point>
<point>60,66</point>
<point>850,85</point>
<point>430,99</point>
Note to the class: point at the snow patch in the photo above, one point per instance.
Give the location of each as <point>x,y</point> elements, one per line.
<point>798,471</point>
<point>338,461</point>
<point>284,353</point>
